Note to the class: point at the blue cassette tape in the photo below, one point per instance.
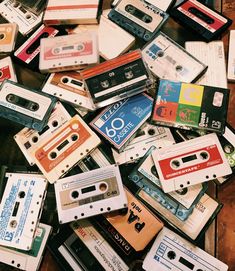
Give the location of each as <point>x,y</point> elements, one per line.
<point>119,122</point>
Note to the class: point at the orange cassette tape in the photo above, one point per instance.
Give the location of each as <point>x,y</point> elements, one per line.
<point>8,34</point>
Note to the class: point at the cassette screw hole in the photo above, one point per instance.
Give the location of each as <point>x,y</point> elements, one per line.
<point>13,223</point>
<point>179,68</point>
<point>21,194</point>
<point>32,222</point>
<point>214,176</point>
<point>55,123</point>
<point>151,132</point>
<point>207,177</point>
<point>65,80</point>
<point>53,155</point>
<point>204,155</point>
<point>67,166</point>
<point>91,206</point>
<point>28,16</point>
<point>81,154</point>
<point>188,182</point>
<point>181,185</point>
<point>18,265</point>
<point>32,212</point>
<point>37,202</point>
<point>31,230</point>
<point>103,187</point>
<point>171,255</point>
<point>13,262</point>
<point>75,217</point>
<point>82,214</point>
<point>74,137</point>
<point>87,150</point>
<point>109,209</point>
<point>74,194</point>
<point>35,139</point>
<point>160,53</point>
<point>101,209</point>
<point>175,163</point>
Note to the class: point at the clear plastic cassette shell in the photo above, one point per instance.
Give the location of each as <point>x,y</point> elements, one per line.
<point>8,35</point>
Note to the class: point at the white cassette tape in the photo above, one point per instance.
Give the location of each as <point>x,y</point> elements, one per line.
<point>7,70</point>
<point>171,252</point>
<point>68,52</point>
<point>8,34</point>
<point>20,209</point>
<point>70,143</point>
<point>147,136</point>
<point>212,54</point>
<point>91,193</point>
<point>187,163</point>
<point>28,139</point>
<point>69,87</point>
<point>168,60</point>
<point>27,260</point>
<point>14,12</point>
<point>231,56</point>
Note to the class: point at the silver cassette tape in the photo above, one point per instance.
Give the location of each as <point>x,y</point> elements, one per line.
<point>90,193</point>
<point>231,56</point>
<point>7,70</point>
<point>20,209</point>
<point>70,143</point>
<point>28,139</point>
<point>8,35</point>
<point>138,17</point>
<point>191,162</point>
<point>212,54</point>
<point>69,52</point>
<point>171,252</point>
<point>168,60</point>
<point>14,12</point>
<point>69,87</point>
<point>147,136</point>
<point>27,260</point>
<point>28,107</point>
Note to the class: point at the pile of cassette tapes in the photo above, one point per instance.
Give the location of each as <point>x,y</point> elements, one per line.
<point>122,138</point>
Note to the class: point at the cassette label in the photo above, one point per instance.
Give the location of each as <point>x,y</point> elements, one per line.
<point>8,33</point>
<point>168,60</point>
<point>119,122</point>
<point>90,193</point>
<point>31,48</point>
<point>117,78</point>
<point>28,107</point>
<point>7,70</point>
<point>20,208</point>
<point>200,159</point>
<point>231,56</point>
<point>28,139</point>
<point>172,252</point>
<point>70,143</point>
<point>190,106</point>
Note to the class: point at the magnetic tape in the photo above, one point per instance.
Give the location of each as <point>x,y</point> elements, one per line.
<point>168,60</point>
<point>70,143</point>
<point>171,252</point>
<point>90,193</point>
<point>118,78</point>
<point>68,52</point>
<point>231,56</point>
<point>138,17</point>
<point>191,162</point>
<point>7,70</point>
<point>14,12</point>
<point>208,23</point>
<point>25,106</point>
<point>8,34</point>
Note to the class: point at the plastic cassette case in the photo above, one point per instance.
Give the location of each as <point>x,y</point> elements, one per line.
<point>8,35</point>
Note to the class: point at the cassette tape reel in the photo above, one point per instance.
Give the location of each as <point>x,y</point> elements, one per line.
<point>14,12</point>
<point>7,70</point>
<point>90,193</point>
<point>168,60</point>
<point>191,162</point>
<point>169,250</point>
<point>138,17</point>
<point>8,34</point>
<point>28,139</point>
<point>57,154</point>
<point>20,209</point>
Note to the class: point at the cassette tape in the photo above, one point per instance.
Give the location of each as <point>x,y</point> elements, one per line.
<point>7,70</point>
<point>90,193</point>
<point>147,136</point>
<point>119,122</point>
<point>130,231</point>
<point>25,106</point>
<point>231,56</point>
<point>28,139</point>
<point>36,6</point>
<point>190,106</point>
<point>191,162</point>
<point>171,252</point>
<point>168,60</point>
<point>28,52</point>
<point>70,143</point>
<point>27,260</point>
<point>95,253</point>
<point>69,86</point>
<point>68,52</point>
<point>118,78</point>
<point>20,208</point>
<point>180,203</point>
<point>66,12</point>
<point>212,54</point>
<point>208,23</point>
<point>8,34</point>
<point>138,17</point>
<point>14,12</point>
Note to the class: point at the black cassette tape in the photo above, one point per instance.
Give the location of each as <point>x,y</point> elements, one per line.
<point>25,106</point>
<point>138,17</point>
<point>207,22</point>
